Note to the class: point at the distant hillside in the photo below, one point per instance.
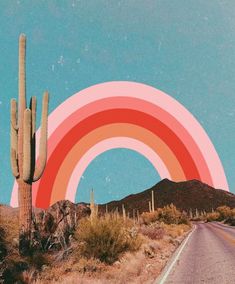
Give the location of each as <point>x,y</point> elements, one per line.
<point>184,195</point>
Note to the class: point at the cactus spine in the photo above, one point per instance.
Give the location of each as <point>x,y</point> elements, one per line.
<point>23,143</point>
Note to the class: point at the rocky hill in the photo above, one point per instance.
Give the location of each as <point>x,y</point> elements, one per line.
<point>185,195</point>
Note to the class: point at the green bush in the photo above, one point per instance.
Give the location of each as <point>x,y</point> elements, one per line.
<point>106,238</point>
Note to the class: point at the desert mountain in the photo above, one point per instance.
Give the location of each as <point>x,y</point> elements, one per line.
<point>185,195</point>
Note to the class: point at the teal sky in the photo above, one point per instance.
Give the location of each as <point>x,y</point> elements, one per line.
<point>184,47</point>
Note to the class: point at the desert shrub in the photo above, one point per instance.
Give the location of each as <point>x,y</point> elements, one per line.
<point>212,216</point>
<point>13,271</point>
<point>37,259</point>
<point>231,219</point>
<point>152,232</point>
<point>175,230</point>
<point>184,219</point>
<point>168,214</point>
<point>85,265</point>
<point>150,217</point>
<point>3,248</point>
<point>199,218</point>
<point>224,211</point>
<point>106,238</point>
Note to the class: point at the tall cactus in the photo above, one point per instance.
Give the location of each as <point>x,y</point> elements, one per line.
<point>23,144</point>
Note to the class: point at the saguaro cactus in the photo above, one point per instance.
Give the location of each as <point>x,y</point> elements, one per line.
<point>23,143</point>
<point>123,212</point>
<point>153,209</point>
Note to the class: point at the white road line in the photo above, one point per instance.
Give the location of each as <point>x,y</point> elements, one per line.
<point>180,249</point>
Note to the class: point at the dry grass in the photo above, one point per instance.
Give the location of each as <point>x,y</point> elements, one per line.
<point>142,266</point>
<point>175,231</point>
<point>212,216</point>
<point>225,212</point>
<point>70,270</point>
<point>168,215</point>
<point>222,213</point>
<point>9,222</point>
<point>150,217</point>
<point>106,238</point>
<point>153,231</point>
<point>106,250</point>
<point>15,267</point>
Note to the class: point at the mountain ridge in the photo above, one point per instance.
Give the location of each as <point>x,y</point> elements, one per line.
<point>185,195</point>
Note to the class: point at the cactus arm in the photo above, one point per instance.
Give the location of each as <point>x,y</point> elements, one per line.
<point>33,106</point>
<point>43,140</point>
<point>14,162</point>
<point>14,136</point>
<point>13,114</point>
<point>27,145</point>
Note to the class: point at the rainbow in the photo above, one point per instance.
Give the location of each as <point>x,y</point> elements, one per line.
<point>127,115</point>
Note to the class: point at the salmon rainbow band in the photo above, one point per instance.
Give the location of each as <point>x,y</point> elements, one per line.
<point>123,115</point>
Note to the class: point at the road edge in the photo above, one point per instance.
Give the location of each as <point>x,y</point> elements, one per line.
<point>171,262</point>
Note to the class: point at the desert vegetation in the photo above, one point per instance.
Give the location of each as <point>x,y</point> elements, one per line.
<point>107,247</point>
<point>88,245</point>
<point>106,237</point>
<point>222,213</point>
<point>168,214</point>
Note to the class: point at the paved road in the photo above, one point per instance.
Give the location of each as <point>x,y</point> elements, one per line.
<point>208,257</point>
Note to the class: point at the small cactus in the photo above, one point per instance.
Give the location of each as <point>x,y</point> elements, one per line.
<point>190,214</point>
<point>138,216</point>
<point>123,212</point>
<point>94,207</point>
<point>153,201</point>
<point>196,213</point>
